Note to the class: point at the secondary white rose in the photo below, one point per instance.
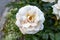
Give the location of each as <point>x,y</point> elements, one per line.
<point>30,19</point>
<point>56,9</point>
<point>49,1</point>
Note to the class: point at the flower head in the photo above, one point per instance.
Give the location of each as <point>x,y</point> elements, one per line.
<point>56,9</point>
<point>30,19</point>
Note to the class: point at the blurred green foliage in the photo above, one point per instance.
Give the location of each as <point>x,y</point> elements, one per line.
<point>51,29</point>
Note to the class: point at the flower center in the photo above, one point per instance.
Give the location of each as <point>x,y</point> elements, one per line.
<point>30,17</point>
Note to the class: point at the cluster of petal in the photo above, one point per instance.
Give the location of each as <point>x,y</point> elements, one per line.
<point>56,9</point>
<point>30,19</point>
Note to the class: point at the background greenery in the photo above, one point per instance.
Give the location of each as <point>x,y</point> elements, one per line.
<point>51,29</point>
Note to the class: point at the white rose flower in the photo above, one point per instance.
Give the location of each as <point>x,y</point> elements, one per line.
<point>56,9</point>
<point>30,19</point>
<point>49,1</point>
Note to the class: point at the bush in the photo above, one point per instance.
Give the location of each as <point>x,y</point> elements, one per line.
<point>51,29</point>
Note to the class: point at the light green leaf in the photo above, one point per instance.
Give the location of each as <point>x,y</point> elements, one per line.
<point>57,36</point>
<point>51,36</point>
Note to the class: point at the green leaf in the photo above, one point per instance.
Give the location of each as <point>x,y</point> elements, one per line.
<point>57,36</point>
<point>51,36</point>
<point>35,38</point>
<point>11,36</point>
<point>45,36</point>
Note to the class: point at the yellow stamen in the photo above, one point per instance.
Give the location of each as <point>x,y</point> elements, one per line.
<point>30,16</point>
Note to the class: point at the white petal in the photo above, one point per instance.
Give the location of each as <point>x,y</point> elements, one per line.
<point>33,24</point>
<point>31,31</point>
<point>37,18</point>
<point>55,10</point>
<point>59,2</point>
<point>26,25</point>
<point>24,17</point>
<point>18,23</point>
<point>34,30</point>
<point>41,27</point>
<point>42,19</point>
<point>18,16</point>
<point>23,30</point>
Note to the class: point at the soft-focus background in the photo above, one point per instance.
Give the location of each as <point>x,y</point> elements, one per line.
<point>3,4</point>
